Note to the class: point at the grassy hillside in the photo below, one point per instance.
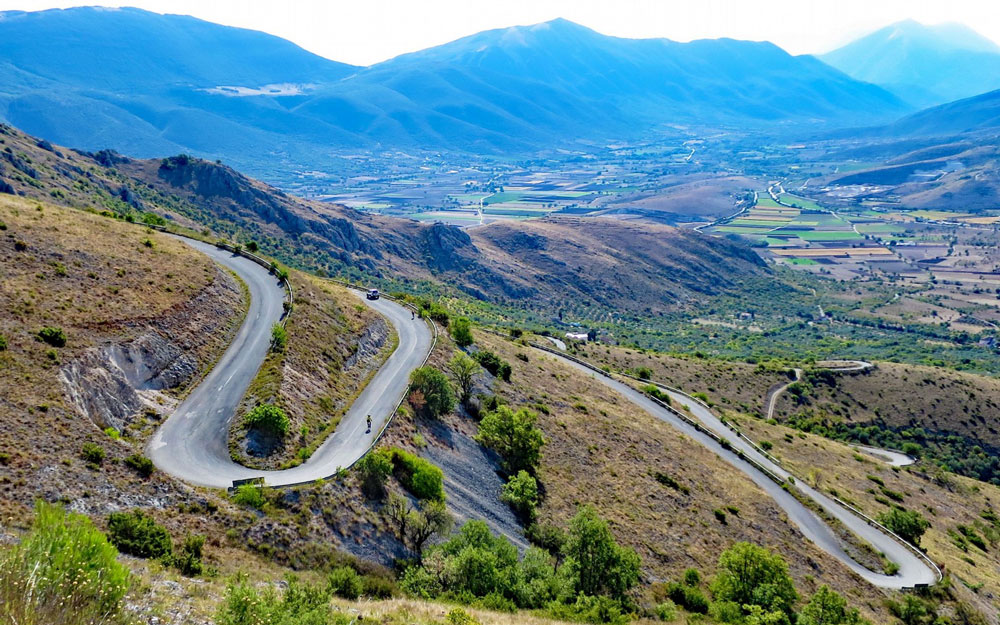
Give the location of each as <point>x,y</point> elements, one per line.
<point>128,302</point>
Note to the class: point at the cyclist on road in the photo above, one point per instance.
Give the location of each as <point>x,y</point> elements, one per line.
<point>369,424</point>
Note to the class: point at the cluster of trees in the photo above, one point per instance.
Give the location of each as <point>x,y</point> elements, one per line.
<point>590,571</point>
<point>515,436</point>
<point>752,586</point>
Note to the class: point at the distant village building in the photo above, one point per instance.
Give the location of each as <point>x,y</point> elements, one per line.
<point>576,336</point>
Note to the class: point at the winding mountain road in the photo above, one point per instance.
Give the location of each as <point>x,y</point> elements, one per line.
<point>913,570</point>
<point>193,443</point>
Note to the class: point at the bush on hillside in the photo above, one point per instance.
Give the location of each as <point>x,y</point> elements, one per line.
<point>139,535</point>
<point>461,332</point>
<point>188,559</point>
<point>140,464</point>
<point>910,525</point>
<point>92,453</point>
<point>375,468</point>
<point>514,436</point>
<point>268,418</point>
<point>345,582</point>
<point>279,337</point>
<point>521,493</point>
<point>497,366</point>
<point>53,336</point>
<point>419,476</point>
<point>435,388</point>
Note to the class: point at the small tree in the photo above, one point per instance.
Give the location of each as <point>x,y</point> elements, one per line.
<point>521,493</point>
<point>461,331</point>
<point>268,418</point>
<point>753,576</point>
<point>910,525</point>
<point>464,370</point>
<point>600,565</point>
<point>435,388</point>
<point>514,436</point>
<point>431,519</point>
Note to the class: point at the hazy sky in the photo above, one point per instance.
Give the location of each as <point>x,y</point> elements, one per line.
<point>366,31</point>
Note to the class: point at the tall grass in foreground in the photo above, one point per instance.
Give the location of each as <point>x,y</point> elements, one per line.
<point>64,571</point>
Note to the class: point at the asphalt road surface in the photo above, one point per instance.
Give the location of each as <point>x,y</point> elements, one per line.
<point>193,443</point>
<point>912,569</point>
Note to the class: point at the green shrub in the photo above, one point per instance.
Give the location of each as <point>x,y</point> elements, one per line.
<point>494,364</point>
<point>140,464</point>
<point>666,611</point>
<point>139,535</point>
<point>279,337</point>
<point>692,577</point>
<point>461,332</point>
<point>244,604</point>
<point>599,564</point>
<point>249,495</point>
<point>521,493</point>
<point>188,559</point>
<point>375,468</point>
<point>750,575</point>
<point>63,571</point>
<point>435,388</point>
<point>688,597</point>
<point>419,476</point>
<point>3,343</point>
<point>514,436</point>
<point>345,582</point>
<point>720,515</point>
<point>643,373</point>
<point>92,453</point>
<point>654,391</point>
<point>53,336</point>
<point>268,418</point>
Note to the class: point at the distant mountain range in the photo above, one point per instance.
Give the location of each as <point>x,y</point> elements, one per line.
<point>923,65</point>
<point>149,84</point>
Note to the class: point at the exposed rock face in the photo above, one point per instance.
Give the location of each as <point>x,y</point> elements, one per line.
<point>106,382</point>
<point>103,382</point>
<point>447,248</point>
<point>370,344</point>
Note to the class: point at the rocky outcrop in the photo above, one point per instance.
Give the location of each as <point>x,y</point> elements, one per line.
<point>447,248</point>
